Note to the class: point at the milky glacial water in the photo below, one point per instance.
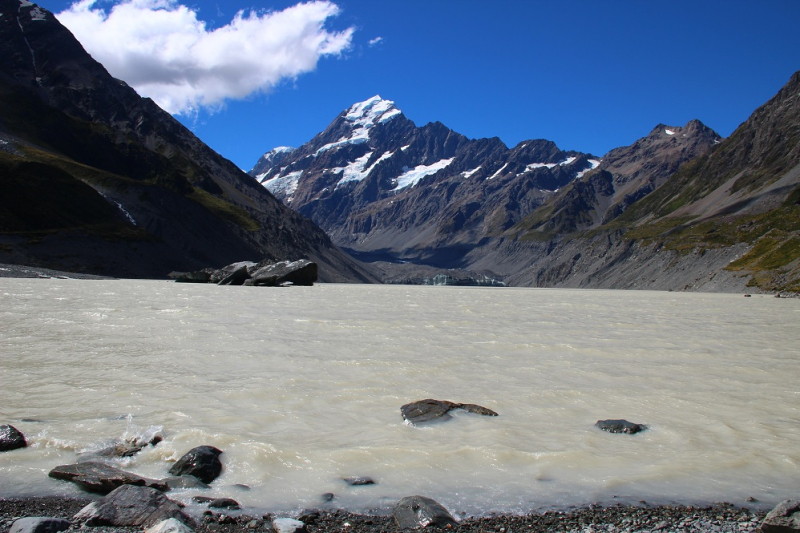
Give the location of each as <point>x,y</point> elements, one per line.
<point>302,386</point>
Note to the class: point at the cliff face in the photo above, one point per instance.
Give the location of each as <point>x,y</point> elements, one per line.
<point>101,180</point>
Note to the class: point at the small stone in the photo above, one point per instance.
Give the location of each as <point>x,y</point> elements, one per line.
<point>355,481</point>
<point>288,525</point>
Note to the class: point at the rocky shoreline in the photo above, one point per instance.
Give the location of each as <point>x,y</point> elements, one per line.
<point>720,518</point>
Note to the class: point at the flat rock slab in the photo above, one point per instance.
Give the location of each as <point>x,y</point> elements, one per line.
<point>11,438</point>
<point>620,426</point>
<point>35,524</point>
<point>785,518</point>
<point>132,506</point>
<point>201,462</point>
<point>102,478</point>
<point>429,410</point>
<point>414,512</point>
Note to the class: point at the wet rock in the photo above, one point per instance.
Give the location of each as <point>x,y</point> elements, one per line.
<point>220,274</point>
<point>11,438</point>
<point>328,497</point>
<point>218,503</point>
<point>39,525</point>
<point>170,525</point>
<point>301,272</point>
<point>785,518</point>
<point>355,481</point>
<point>429,410</point>
<point>132,506</point>
<point>184,482</point>
<point>288,525</point>
<point>101,478</point>
<point>620,426</point>
<point>202,462</point>
<point>414,512</point>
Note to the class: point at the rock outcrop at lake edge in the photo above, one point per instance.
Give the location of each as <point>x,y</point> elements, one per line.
<point>201,462</point>
<point>131,506</point>
<point>102,478</point>
<point>266,273</point>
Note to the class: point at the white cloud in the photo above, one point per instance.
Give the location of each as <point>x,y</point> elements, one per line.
<point>376,40</point>
<point>164,51</point>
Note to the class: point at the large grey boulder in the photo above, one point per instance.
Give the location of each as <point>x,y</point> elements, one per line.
<point>233,274</point>
<point>301,272</point>
<point>11,438</point>
<point>620,426</point>
<point>201,462</point>
<point>38,524</point>
<point>414,512</point>
<point>785,518</point>
<point>102,478</point>
<point>429,410</point>
<point>131,506</point>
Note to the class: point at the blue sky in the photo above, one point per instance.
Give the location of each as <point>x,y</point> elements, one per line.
<point>589,75</point>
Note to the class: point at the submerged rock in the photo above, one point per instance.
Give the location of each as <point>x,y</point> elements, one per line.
<point>785,518</point>
<point>101,478</point>
<point>620,426</point>
<point>131,506</point>
<point>429,410</point>
<point>184,482</point>
<point>39,525</point>
<point>218,503</point>
<point>414,512</point>
<point>201,462</point>
<point>11,438</point>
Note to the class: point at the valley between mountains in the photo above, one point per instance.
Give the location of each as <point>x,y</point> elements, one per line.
<point>98,180</point>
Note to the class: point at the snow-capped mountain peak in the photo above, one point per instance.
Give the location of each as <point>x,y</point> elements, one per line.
<point>373,111</point>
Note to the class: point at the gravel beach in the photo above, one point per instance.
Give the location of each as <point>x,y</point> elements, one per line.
<point>722,518</point>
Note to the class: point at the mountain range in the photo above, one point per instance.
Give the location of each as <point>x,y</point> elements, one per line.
<point>655,214</point>
<point>97,179</point>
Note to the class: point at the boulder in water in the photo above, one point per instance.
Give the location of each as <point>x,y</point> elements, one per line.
<point>11,438</point>
<point>414,512</point>
<point>101,478</point>
<point>620,426</point>
<point>429,410</point>
<point>201,462</point>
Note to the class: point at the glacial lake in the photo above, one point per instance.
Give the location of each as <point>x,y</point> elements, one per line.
<point>302,387</point>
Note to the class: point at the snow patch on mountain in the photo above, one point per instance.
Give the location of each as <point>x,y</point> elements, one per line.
<point>669,132</point>
<point>469,173</point>
<point>411,177</point>
<point>284,185</point>
<point>594,163</point>
<point>493,176</point>
<point>363,116</point>
<point>355,171</point>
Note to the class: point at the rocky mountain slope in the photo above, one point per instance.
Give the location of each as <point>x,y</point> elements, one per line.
<point>728,219</point>
<point>97,179</point>
<point>382,186</point>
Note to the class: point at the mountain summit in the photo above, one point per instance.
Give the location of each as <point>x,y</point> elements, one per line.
<point>377,182</point>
